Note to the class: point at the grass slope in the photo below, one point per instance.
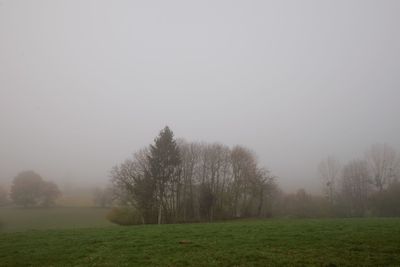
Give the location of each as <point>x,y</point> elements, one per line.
<point>336,242</point>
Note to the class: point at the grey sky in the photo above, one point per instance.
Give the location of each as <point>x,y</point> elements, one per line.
<point>83,84</point>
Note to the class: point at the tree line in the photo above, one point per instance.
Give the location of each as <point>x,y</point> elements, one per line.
<point>365,186</point>
<point>178,181</point>
<point>173,181</point>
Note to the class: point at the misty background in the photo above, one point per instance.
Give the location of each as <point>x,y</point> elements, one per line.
<point>84,84</point>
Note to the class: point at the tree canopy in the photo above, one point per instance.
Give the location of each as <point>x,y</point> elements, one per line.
<point>176,181</point>
<point>29,189</point>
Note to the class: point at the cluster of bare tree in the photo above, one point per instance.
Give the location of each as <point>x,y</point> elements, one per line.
<point>301,205</point>
<point>368,186</point>
<point>178,181</point>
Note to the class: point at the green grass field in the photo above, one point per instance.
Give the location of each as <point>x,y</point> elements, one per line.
<point>324,242</point>
<point>20,219</point>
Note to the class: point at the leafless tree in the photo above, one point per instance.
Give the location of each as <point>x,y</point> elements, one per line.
<point>190,153</point>
<point>356,186</point>
<point>329,171</point>
<point>383,165</point>
<point>264,187</point>
<point>133,186</point>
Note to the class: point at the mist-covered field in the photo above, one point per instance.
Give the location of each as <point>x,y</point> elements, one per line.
<point>283,242</point>
<point>22,219</point>
<point>199,133</point>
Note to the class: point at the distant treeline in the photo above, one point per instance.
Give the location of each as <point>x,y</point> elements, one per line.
<point>368,186</point>
<point>173,181</point>
<point>176,181</point>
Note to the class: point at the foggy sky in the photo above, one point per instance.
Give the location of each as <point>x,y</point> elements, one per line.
<point>84,84</point>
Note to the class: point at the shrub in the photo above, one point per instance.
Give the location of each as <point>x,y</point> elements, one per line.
<point>124,216</point>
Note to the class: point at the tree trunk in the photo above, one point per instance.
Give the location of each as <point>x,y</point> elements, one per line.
<point>261,203</point>
<point>159,213</point>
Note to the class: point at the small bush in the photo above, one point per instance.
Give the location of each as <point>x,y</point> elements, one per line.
<point>124,216</point>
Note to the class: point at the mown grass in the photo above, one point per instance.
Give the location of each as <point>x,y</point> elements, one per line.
<point>21,219</point>
<point>333,242</point>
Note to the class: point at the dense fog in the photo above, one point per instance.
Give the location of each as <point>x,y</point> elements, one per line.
<point>84,84</point>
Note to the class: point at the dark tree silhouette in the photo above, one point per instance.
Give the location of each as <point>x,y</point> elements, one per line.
<point>164,160</point>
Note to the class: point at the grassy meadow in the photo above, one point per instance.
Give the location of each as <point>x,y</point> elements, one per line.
<point>22,219</point>
<point>277,242</point>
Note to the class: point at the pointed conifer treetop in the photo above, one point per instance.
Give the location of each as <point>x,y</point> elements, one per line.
<point>164,160</point>
<point>164,154</point>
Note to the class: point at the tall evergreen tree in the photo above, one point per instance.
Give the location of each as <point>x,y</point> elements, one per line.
<point>164,160</point>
